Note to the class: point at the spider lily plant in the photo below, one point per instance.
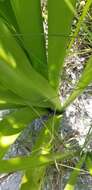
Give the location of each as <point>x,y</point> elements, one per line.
<point>29,81</point>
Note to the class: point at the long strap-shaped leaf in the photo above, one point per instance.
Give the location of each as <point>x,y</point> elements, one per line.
<point>59,27</point>
<point>17,72</point>
<point>28,162</point>
<point>13,124</point>
<point>44,144</point>
<point>10,19</point>
<point>84,81</point>
<point>74,175</point>
<point>28,15</point>
<point>10,50</point>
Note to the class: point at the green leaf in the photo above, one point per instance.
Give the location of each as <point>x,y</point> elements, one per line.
<point>7,13</point>
<point>84,81</point>
<point>44,144</point>
<point>59,27</point>
<point>28,15</point>
<point>35,94</point>
<point>12,125</point>
<point>28,162</point>
<point>89,164</point>
<point>7,97</point>
<point>4,106</point>
<point>17,73</point>
<point>74,175</point>
<point>31,180</point>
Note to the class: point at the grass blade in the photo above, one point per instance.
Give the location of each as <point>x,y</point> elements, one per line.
<point>73,177</point>
<point>83,82</point>
<point>81,19</point>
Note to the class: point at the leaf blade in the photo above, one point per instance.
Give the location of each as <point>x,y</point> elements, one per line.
<point>23,163</point>
<point>33,33</point>
<point>57,37</point>
<point>13,124</point>
<point>15,66</point>
<point>44,143</point>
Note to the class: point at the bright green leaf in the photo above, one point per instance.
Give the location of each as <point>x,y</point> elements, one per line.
<point>17,73</point>
<point>28,15</point>
<point>6,12</point>
<point>59,28</point>
<point>28,162</point>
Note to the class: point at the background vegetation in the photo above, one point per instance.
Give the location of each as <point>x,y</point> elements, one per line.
<point>31,67</point>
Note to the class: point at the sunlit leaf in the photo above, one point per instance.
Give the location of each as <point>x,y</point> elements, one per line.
<point>28,162</point>
<point>13,124</point>
<point>28,15</point>
<point>43,145</point>
<point>17,73</point>
<point>59,28</point>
